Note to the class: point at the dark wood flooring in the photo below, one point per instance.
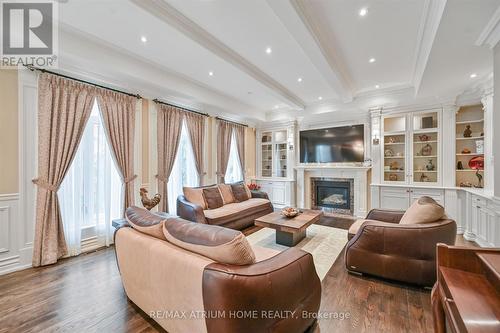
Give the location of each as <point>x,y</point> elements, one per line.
<point>85,294</point>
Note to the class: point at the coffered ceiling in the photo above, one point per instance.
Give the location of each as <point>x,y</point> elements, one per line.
<point>259,60</point>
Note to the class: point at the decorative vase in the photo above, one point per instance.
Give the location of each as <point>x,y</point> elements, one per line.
<point>388,153</point>
<point>477,163</point>
<point>460,166</point>
<point>424,178</point>
<point>426,150</point>
<point>467,131</point>
<point>430,166</point>
<point>393,177</point>
<point>424,137</point>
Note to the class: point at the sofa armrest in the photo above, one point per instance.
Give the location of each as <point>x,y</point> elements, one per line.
<point>259,194</point>
<point>385,215</point>
<point>286,284</point>
<point>190,211</point>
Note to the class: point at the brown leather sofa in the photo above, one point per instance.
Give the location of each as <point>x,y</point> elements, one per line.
<point>236,215</point>
<point>380,246</point>
<point>185,291</point>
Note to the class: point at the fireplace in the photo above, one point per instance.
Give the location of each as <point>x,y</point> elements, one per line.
<point>333,195</point>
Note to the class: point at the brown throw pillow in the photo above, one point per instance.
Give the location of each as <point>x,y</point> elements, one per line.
<point>213,197</point>
<point>239,192</point>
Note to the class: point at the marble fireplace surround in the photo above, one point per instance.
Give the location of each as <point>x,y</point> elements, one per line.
<point>360,175</point>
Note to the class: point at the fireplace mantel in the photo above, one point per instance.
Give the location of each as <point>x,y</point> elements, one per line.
<point>360,174</point>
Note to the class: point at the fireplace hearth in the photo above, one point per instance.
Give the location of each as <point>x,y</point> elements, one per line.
<point>333,195</point>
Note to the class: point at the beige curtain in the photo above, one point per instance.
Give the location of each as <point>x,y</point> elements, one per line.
<point>118,115</point>
<point>169,132</point>
<point>196,127</point>
<point>224,132</point>
<point>239,132</point>
<point>64,107</point>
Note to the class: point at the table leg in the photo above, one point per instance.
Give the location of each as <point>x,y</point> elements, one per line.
<point>289,238</point>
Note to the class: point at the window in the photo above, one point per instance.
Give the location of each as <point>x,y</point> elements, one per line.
<point>91,194</point>
<point>184,171</point>
<point>234,170</point>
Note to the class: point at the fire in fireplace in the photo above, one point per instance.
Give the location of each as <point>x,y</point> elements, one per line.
<point>333,195</point>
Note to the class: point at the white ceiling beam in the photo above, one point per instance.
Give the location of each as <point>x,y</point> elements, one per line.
<point>490,35</point>
<point>322,50</point>
<point>189,28</point>
<point>431,18</point>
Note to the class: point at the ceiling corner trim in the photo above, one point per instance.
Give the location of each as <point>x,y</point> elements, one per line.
<point>431,18</point>
<point>490,35</point>
<point>173,17</point>
<point>327,48</point>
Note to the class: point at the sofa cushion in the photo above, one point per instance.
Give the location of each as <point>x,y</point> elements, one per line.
<point>227,193</point>
<point>213,197</point>
<point>218,243</point>
<point>240,192</point>
<point>353,229</point>
<point>230,212</point>
<point>146,222</point>
<point>424,210</point>
<point>195,195</point>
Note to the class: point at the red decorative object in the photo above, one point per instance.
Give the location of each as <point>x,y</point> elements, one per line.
<point>253,187</point>
<point>477,163</point>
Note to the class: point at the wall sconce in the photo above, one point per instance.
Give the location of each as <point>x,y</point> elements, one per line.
<point>376,141</point>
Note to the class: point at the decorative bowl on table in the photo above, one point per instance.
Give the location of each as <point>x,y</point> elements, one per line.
<point>290,212</point>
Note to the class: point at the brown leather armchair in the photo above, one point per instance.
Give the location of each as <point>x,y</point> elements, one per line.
<point>402,252</point>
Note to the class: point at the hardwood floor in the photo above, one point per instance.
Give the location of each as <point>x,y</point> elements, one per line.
<point>85,294</point>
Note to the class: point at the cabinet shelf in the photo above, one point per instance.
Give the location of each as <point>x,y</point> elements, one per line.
<point>425,171</point>
<point>420,156</point>
<point>424,142</point>
<point>469,170</point>
<point>394,157</point>
<point>471,154</point>
<point>393,143</point>
<point>394,171</point>
<point>471,138</point>
<point>467,122</point>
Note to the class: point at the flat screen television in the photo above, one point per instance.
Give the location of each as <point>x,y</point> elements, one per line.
<point>333,145</point>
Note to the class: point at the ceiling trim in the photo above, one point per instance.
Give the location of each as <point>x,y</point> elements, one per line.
<point>433,12</point>
<point>328,48</point>
<point>183,24</point>
<point>490,35</point>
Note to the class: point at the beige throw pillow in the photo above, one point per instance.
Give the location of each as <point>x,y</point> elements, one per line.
<point>146,222</point>
<point>195,195</point>
<point>227,193</point>
<point>221,244</point>
<point>424,210</point>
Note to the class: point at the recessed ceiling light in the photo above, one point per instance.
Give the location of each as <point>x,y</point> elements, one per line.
<point>320,98</point>
<point>211,73</point>
<point>144,39</point>
<point>269,50</point>
<point>377,86</point>
<point>299,79</point>
<point>276,106</point>
<point>372,60</point>
<point>473,75</point>
<point>363,12</point>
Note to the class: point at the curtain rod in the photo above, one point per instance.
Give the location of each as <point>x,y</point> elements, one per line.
<point>229,121</point>
<point>180,107</point>
<point>33,68</point>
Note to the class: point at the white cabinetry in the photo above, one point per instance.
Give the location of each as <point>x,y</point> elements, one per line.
<point>401,198</point>
<point>280,192</point>
<point>483,222</point>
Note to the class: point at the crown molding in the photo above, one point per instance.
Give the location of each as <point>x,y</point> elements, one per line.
<point>429,24</point>
<point>342,79</point>
<point>490,35</point>
<point>170,15</point>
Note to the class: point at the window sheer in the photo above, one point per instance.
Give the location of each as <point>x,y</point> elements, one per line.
<point>91,194</point>
<point>234,171</point>
<point>184,171</point>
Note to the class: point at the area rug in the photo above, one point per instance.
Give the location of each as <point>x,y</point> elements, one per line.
<point>324,243</point>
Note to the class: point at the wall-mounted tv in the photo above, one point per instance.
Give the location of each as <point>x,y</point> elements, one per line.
<point>333,145</point>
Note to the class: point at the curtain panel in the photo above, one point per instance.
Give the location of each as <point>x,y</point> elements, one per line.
<point>118,115</point>
<point>239,132</point>
<point>169,128</point>
<point>224,133</point>
<point>196,128</point>
<point>64,107</point>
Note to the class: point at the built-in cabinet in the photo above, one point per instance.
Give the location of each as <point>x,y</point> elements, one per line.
<point>401,198</point>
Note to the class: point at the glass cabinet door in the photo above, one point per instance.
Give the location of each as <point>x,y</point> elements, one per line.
<point>394,149</point>
<point>267,155</point>
<point>425,147</point>
<point>280,154</point>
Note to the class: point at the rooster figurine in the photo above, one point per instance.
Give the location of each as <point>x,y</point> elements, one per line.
<point>147,202</point>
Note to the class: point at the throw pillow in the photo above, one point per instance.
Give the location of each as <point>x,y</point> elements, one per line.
<point>213,197</point>
<point>221,244</point>
<point>195,195</point>
<point>227,194</point>
<point>146,222</point>
<point>240,192</point>
<point>424,210</point>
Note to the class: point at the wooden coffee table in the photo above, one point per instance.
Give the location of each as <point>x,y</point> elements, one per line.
<point>289,231</point>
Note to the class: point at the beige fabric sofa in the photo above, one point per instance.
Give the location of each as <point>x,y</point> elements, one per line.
<point>187,292</point>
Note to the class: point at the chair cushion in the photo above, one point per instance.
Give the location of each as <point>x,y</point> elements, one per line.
<point>195,195</point>
<point>240,192</point>
<point>353,229</point>
<point>233,211</point>
<point>227,193</point>
<point>146,222</point>
<point>424,210</point>
<point>218,243</point>
<point>213,197</point>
